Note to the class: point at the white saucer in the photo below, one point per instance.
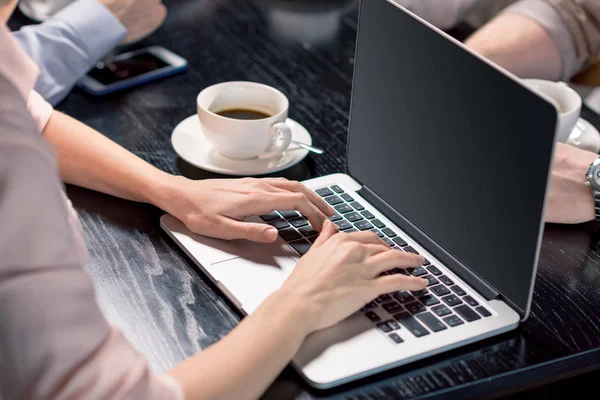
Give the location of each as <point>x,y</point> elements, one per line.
<point>585,136</point>
<point>191,145</point>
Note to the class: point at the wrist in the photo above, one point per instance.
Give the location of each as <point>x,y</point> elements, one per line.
<point>163,190</point>
<point>292,310</point>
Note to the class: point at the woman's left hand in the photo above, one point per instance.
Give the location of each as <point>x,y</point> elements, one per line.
<point>218,207</point>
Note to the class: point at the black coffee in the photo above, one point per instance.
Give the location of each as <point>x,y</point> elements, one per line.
<point>243,113</point>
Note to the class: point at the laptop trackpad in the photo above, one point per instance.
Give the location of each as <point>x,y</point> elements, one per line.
<point>260,270</point>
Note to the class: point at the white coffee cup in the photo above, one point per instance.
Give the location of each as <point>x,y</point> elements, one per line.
<point>566,100</point>
<point>245,139</point>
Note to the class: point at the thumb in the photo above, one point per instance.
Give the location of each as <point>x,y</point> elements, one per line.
<point>261,233</point>
<point>329,229</point>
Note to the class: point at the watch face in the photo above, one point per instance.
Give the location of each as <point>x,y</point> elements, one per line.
<point>596,176</point>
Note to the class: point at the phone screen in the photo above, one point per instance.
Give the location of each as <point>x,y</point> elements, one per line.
<point>118,70</point>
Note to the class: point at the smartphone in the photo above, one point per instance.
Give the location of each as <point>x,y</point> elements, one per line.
<point>131,69</point>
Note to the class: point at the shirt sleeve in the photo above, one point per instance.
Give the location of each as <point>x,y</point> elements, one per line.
<point>40,110</point>
<point>573,25</point>
<point>69,44</point>
<point>54,340</point>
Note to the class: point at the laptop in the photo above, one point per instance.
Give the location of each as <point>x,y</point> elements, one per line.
<point>449,156</point>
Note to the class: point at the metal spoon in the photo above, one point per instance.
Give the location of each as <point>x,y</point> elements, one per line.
<point>309,148</point>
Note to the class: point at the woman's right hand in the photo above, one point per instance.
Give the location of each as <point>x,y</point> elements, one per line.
<point>341,273</point>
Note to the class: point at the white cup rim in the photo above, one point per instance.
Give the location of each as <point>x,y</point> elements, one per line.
<point>216,86</point>
<point>564,86</point>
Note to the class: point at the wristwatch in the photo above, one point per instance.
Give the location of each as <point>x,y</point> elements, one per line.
<point>592,176</point>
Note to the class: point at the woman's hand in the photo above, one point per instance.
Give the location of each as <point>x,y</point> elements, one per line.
<point>340,274</point>
<point>570,201</point>
<point>217,207</point>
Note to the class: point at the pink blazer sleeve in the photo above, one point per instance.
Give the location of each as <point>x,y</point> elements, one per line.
<point>54,341</point>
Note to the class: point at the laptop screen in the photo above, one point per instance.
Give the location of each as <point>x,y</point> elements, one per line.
<point>452,144</point>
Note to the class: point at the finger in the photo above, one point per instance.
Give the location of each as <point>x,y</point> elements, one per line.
<point>295,186</point>
<point>329,229</point>
<point>393,259</point>
<point>365,237</point>
<point>261,233</point>
<point>297,201</point>
<point>396,282</point>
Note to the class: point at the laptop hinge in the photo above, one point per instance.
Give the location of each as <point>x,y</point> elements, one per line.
<point>475,281</point>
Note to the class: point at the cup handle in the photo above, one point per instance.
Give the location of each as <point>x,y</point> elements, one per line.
<point>280,136</point>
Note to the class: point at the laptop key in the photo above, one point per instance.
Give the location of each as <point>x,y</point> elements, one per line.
<point>308,231</point>
<point>440,290</point>
<point>336,217</point>
<point>453,320</point>
<point>346,197</point>
<point>337,189</point>
<point>343,225</point>
<point>383,326</point>
<point>409,249</point>
<point>298,223</point>
<point>458,290</point>
<point>412,325</point>
<point>378,233</point>
<point>470,301</point>
<point>419,271</point>
<point>378,224</point>
<point>389,233</point>
<point>431,279</point>
<point>429,300</point>
<point>289,214</point>
<point>396,338</point>
<point>415,307</point>
<point>446,281</point>
<point>324,192</point>
<point>403,297</point>
<point>270,216</point>
<point>301,246</point>
<point>313,239</point>
<point>334,200</point>
<point>344,208</point>
<point>369,306</point>
<point>351,230</point>
<point>434,270</point>
<point>289,235</point>
<point>367,214</point>
<point>466,312</point>
<point>384,298</point>
<point>392,308</point>
<point>452,300</point>
<point>393,324</point>
<point>399,241</point>
<point>357,206</point>
<point>420,292</point>
<point>426,263</point>
<point>441,310</point>
<point>483,311</point>
<point>279,224</point>
<point>388,242</point>
<point>372,316</point>
<point>432,322</point>
<point>363,225</point>
<point>353,216</point>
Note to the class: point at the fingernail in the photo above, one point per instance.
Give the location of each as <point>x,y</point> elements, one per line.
<point>271,234</point>
<point>331,211</point>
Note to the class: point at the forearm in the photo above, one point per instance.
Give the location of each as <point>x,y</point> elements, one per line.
<point>519,45</point>
<point>244,363</point>
<point>89,159</point>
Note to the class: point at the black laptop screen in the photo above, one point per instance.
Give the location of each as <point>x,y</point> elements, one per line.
<point>455,146</point>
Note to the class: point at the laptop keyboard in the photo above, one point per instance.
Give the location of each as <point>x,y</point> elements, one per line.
<point>442,305</point>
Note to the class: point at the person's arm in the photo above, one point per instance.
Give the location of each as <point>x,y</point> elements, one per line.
<point>569,200</point>
<point>542,39</point>
<point>69,44</point>
<point>91,160</point>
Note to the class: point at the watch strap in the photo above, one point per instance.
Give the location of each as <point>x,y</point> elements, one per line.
<point>597,204</point>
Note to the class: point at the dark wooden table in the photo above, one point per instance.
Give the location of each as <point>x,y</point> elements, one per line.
<point>170,311</point>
